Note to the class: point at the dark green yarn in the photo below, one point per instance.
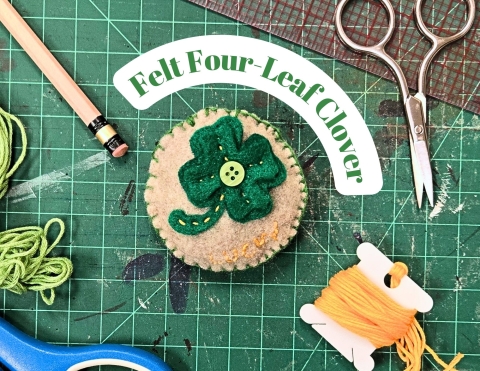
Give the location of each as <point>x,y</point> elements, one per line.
<point>213,146</point>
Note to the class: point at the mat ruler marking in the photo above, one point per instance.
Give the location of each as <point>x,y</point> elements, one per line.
<point>314,29</point>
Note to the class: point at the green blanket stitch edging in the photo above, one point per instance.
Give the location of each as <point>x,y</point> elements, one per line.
<point>278,137</point>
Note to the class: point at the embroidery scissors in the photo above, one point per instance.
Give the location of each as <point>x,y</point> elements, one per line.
<point>415,106</point>
<point>20,352</point>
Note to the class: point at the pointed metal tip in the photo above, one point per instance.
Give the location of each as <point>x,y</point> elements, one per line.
<point>419,195</point>
<point>419,202</point>
<point>430,197</point>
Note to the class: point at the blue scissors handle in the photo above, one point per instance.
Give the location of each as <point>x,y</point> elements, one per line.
<point>20,352</point>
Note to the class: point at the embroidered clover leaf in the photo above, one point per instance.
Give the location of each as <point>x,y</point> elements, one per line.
<point>227,174</point>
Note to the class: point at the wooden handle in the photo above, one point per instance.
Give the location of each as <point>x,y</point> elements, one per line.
<point>47,63</point>
<point>61,80</point>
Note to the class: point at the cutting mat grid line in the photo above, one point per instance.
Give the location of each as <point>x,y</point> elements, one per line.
<point>243,320</point>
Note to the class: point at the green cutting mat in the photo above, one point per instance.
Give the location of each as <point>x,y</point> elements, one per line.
<point>198,320</point>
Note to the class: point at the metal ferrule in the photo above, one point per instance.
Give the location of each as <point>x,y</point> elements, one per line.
<point>106,134</point>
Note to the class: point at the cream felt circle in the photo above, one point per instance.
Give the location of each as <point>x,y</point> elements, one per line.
<point>225,190</point>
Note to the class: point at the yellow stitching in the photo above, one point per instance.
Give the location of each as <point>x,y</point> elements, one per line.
<point>227,258</point>
<point>231,260</point>
<point>181,222</point>
<point>222,197</point>
<point>217,208</point>
<point>221,148</point>
<point>207,220</point>
<point>260,241</point>
<point>244,251</point>
<point>274,234</point>
<point>195,223</point>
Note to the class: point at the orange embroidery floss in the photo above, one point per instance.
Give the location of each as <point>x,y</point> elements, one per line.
<point>358,305</point>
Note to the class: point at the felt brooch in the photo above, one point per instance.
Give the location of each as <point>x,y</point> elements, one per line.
<point>225,190</point>
<point>227,174</point>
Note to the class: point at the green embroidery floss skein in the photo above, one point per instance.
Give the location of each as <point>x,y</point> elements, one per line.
<point>6,137</point>
<point>24,264</point>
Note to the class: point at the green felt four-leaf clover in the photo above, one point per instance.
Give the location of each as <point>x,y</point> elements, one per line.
<point>227,174</point>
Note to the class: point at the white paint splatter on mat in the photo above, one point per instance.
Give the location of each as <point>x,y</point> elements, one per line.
<point>142,303</point>
<point>475,121</point>
<point>27,189</point>
<point>459,284</point>
<point>459,208</point>
<point>443,196</point>
<point>124,256</point>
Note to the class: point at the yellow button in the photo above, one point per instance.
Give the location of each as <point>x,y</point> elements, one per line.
<point>232,173</point>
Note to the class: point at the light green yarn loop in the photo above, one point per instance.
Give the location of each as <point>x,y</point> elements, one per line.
<point>23,251</point>
<point>24,264</point>
<point>6,135</point>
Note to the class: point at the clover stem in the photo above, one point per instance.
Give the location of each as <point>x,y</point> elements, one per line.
<point>183,223</point>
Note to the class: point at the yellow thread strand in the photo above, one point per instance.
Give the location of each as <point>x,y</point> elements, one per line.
<point>181,222</point>
<point>227,258</point>
<point>452,364</point>
<point>398,271</point>
<point>274,234</point>
<point>260,240</point>
<point>222,197</point>
<point>244,249</point>
<point>217,208</point>
<point>206,220</point>
<point>358,305</point>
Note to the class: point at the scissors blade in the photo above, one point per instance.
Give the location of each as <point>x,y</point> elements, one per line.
<point>417,174</point>
<point>423,161</point>
<point>423,100</point>
<point>415,108</point>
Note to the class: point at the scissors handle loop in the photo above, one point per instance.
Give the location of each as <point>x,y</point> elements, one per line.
<point>442,41</point>
<point>438,42</point>
<point>364,48</point>
<point>377,50</point>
